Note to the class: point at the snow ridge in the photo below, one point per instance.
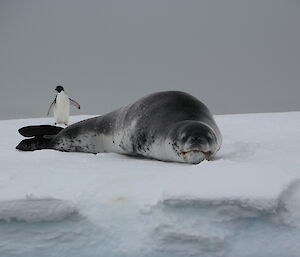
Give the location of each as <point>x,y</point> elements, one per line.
<point>215,227</point>
<point>36,210</point>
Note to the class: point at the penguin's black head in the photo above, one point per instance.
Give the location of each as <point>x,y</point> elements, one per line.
<point>59,89</point>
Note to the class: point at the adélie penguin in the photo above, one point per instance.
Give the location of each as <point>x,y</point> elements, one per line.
<point>61,106</point>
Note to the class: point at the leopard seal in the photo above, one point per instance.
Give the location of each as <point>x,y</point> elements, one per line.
<point>168,126</point>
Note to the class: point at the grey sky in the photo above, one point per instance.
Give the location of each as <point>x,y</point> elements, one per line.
<point>236,56</point>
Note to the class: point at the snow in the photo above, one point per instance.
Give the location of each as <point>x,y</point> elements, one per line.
<point>36,210</point>
<point>246,202</point>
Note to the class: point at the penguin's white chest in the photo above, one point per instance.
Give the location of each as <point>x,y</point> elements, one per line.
<point>61,109</point>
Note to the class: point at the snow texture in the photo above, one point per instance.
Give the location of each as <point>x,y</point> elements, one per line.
<point>246,202</point>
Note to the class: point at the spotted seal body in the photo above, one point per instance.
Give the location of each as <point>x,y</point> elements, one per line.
<point>167,126</point>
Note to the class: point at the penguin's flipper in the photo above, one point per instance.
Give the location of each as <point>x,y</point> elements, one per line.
<point>54,101</point>
<point>73,102</point>
<point>39,130</point>
<point>36,143</point>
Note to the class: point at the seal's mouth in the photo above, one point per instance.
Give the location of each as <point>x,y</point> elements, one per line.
<point>185,153</point>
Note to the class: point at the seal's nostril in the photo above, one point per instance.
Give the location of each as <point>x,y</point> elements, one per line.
<point>197,140</point>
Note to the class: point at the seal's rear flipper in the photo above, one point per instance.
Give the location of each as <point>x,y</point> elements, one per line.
<point>36,143</point>
<point>39,130</point>
<point>42,137</point>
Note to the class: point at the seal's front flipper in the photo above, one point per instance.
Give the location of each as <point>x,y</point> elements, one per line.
<point>36,143</point>
<point>39,130</point>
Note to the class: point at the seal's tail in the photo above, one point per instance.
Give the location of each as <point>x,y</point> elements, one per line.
<point>41,137</point>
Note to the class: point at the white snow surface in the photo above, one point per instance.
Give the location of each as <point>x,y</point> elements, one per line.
<point>245,202</point>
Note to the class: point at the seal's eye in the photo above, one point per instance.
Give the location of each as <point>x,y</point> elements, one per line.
<point>209,136</point>
<point>184,137</point>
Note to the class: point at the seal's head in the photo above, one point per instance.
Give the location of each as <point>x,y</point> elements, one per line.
<point>193,141</point>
